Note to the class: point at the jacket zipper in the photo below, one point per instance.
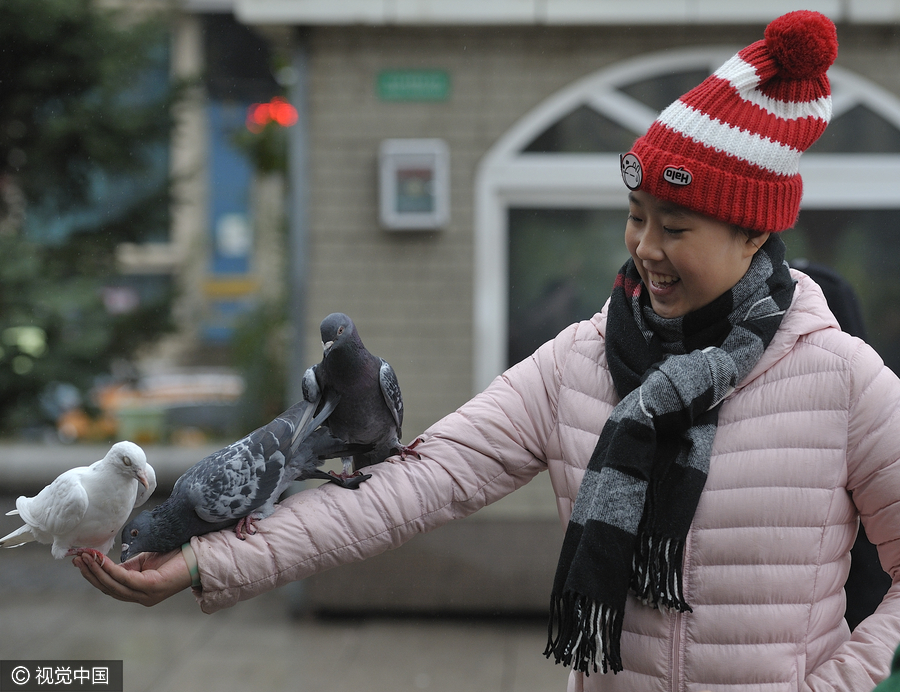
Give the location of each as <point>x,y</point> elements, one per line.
<point>676,651</point>
<point>678,621</point>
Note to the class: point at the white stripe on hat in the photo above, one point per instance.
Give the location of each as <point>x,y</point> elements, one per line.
<point>759,151</point>
<point>742,76</point>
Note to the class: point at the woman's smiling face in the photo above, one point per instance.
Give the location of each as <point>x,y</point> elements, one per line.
<point>685,259</point>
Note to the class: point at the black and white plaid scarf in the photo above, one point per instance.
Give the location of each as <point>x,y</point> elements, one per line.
<point>644,479</point>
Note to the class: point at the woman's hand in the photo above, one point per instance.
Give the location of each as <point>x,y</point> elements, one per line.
<point>147,578</point>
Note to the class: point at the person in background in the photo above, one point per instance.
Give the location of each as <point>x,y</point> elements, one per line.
<point>842,299</point>
<point>711,435</point>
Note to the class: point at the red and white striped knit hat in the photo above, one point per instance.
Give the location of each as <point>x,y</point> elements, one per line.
<point>730,148</point>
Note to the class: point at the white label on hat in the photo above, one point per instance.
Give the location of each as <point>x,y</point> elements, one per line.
<point>678,176</point>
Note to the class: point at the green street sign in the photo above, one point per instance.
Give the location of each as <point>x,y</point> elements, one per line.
<point>413,85</point>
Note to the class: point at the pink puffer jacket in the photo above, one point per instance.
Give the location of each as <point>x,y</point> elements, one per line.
<point>807,442</point>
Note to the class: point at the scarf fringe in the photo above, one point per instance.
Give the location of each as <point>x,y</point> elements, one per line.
<point>584,629</point>
<point>656,573</point>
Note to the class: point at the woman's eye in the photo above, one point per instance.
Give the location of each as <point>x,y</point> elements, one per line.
<point>673,231</point>
<point>632,217</point>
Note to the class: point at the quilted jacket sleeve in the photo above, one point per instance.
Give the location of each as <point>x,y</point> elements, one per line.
<point>488,448</point>
<point>873,467</point>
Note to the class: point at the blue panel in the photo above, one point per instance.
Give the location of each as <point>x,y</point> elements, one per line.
<point>219,326</point>
<point>230,176</point>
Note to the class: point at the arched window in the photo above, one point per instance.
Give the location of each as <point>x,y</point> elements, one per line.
<point>550,205</point>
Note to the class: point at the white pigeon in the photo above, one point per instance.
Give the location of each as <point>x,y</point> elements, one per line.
<point>83,510</point>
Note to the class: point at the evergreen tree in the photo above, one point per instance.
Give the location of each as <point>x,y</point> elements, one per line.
<point>85,114</point>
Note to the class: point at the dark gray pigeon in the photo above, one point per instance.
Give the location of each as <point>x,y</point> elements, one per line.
<point>241,483</point>
<point>369,410</point>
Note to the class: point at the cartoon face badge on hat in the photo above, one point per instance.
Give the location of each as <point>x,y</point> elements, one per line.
<point>632,173</point>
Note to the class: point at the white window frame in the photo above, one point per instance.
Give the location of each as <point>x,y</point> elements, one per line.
<point>507,178</point>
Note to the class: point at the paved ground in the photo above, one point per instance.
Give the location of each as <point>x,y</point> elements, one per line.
<point>49,611</point>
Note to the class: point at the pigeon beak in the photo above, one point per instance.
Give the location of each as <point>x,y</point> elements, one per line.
<point>142,479</point>
<point>326,346</point>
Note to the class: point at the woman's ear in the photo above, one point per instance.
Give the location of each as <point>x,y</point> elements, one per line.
<point>755,242</point>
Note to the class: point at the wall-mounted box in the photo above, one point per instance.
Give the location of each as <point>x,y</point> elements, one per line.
<point>414,184</point>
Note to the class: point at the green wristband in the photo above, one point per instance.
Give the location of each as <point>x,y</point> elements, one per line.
<point>191,559</point>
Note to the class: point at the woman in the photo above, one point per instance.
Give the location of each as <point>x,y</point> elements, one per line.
<point>711,435</point>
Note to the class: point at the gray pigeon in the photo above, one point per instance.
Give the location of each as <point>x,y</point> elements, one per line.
<point>370,408</point>
<point>84,508</point>
<point>241,483</point>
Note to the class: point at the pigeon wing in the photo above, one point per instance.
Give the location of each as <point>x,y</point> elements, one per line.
<point>390,388</point>
<point>59,507</point>
<point>311,387</point>
<point>237,479</point>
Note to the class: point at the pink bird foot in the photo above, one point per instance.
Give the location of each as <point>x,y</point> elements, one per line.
<point>407,450</point>
<point>81,552</point>
<point>245,527</point>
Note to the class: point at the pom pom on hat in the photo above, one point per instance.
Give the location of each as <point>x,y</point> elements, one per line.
<point>730,148</point>
<point>804,43</point>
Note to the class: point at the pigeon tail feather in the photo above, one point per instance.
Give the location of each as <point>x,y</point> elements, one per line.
<point>20,536</point>
<point>308,423</point>
<point>304,430</point>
